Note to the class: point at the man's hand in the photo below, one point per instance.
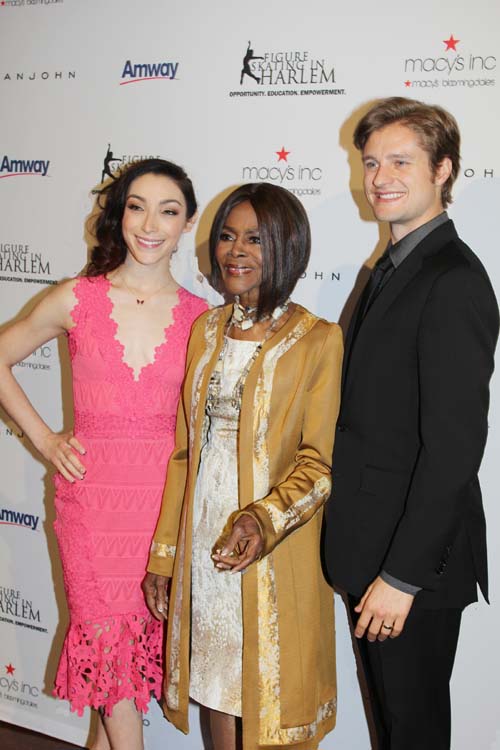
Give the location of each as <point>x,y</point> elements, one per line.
<point>154,588</point>
<point>383,611</point>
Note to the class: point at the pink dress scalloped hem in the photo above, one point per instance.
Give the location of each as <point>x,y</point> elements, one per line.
<point>117,659</point>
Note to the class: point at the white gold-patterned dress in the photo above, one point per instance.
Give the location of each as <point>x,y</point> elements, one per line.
<point>216,629</point>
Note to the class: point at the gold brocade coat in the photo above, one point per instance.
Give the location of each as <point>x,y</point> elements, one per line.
<point>289,407</point>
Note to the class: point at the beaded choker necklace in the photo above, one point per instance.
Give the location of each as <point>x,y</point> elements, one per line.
<point>244,317</point>
<point>215,383</point>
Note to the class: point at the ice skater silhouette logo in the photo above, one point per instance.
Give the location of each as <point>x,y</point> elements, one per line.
<point>107,161</point>
<point>246,70</point>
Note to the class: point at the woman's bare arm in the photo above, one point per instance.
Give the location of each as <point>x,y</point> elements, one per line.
<point>50,318</point>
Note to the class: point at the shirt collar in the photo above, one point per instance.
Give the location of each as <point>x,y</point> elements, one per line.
<point>401,250</point>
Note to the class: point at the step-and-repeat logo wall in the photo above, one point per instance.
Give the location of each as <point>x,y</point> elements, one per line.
<point>234,96</point>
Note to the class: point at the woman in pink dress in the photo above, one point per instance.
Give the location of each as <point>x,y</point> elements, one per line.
<point>127,323</point>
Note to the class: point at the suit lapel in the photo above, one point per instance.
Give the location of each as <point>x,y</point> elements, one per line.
<point>350,336</point>
<point>366,337</point>
<point>359,347</point>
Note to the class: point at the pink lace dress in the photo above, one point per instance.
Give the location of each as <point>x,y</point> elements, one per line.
<point>104,524</point>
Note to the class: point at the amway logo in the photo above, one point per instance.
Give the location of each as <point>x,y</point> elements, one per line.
<point>17,167</point>
<point>16,518</point>
<point>148,71</point>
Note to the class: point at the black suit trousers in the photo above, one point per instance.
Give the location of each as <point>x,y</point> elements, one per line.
<point>408,679</point>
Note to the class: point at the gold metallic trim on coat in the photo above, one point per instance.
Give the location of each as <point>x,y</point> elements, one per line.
<point>162,550</point>
<point>211,327</point>
<point>174,663</point>
<point>270,731</point>
<point>284,520</point>
<point>262,404</point>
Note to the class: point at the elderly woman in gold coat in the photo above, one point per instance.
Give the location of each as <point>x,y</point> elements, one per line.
<point>245,492</point>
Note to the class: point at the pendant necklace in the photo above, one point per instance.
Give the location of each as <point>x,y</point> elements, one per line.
<point>214,391</point>
<point>140,301</point>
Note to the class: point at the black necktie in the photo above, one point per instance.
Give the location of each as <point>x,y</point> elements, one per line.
<point>378,277</point>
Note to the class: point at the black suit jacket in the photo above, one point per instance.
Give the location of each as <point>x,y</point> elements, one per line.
<point>412,430</point>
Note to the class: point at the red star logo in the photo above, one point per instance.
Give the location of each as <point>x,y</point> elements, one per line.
<point>282,155</point>
<point>10,669</point>
<point>451,43</point>
<point>407,84</point>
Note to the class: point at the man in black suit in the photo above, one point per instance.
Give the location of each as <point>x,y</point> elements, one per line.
<point>405,534</point>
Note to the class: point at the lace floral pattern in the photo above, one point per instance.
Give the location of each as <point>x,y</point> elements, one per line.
<point>116,659</point>
<point>104,524</point>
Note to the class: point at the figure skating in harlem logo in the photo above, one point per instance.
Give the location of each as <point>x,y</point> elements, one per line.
<point>286,72</point>
<point>246,69</point>
<point>17,610</point>
<point>112,165</point>
<point>108,159</point>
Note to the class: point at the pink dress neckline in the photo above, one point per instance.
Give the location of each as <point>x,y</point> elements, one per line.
<point>158,350</point>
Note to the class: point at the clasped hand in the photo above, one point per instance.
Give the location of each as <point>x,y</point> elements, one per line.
<point>242,547</point>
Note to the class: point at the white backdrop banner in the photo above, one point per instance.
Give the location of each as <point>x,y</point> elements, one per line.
<point>234,93</point>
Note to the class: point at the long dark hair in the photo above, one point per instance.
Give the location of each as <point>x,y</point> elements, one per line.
<point>111,250</point>
<point>285,239</point>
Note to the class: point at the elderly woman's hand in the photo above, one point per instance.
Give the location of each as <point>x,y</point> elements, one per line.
<point>241,548</point>
<point>154,588</point>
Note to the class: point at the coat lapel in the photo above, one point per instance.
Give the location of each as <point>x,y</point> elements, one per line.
<point>203,368</point>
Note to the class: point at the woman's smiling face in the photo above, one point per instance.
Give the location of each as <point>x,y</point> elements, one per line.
<point>239,255</point>
<point>154,218</point>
